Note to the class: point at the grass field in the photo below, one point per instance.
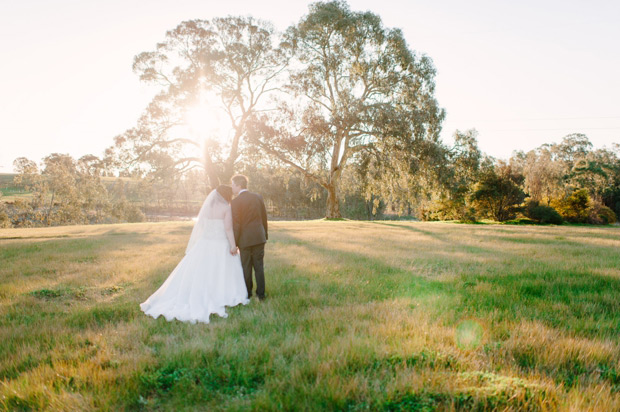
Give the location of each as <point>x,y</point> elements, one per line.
<point>361,316</point>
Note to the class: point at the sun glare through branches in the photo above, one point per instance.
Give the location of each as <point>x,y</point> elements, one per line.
<point>203,121</point>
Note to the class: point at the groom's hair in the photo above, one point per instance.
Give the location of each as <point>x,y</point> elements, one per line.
<point>241,181</point>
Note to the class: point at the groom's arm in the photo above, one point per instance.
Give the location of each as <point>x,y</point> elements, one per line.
<point>228,226</point>
<point>236,221</point>
<point>264,216</point>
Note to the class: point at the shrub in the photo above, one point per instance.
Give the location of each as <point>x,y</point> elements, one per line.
<point>542,213</point>
<point>449,209</point>
<point>127,212</point>
<point>469,216</point>
<point>521,221</point>
<point>497,196</point>
<point>355,206</point>
<point>602,215</point>
<point>576,207</point>
<point>5,221</point>
<point>22,214</point>
<point>134,214</point>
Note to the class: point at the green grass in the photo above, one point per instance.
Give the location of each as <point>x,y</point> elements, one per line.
<point>388,316</point>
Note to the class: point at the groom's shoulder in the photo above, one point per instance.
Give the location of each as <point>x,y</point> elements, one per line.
<point>243,196</point>
<point>254,199</point>
<point>258,196</point>
<point>247,195</point>
<point>252,194</point>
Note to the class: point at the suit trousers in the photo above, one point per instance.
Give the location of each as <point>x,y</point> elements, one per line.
<point>252,257</point>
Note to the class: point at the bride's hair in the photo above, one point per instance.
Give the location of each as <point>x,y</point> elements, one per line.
<point>225,191</point>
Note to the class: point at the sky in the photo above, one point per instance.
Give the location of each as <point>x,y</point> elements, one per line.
<point>522,73</point>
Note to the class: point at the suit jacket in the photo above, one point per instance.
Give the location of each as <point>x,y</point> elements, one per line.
<point>249,219</point>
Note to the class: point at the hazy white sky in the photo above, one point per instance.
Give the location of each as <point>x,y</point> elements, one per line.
<point>523,73</point>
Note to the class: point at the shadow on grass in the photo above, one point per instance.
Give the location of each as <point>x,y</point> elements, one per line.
<point>579,303</point>
<point>357,278</point>
<point>12,252</point>
<point>411,228</point>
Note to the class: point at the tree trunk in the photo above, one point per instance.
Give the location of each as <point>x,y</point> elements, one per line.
<point>214,180</point>
<point>229,169</point>
<point>333,206</point>
<point>49,210</point>
<point>229,166</point>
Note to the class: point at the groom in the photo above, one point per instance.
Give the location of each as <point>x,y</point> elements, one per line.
<point>250,227</point>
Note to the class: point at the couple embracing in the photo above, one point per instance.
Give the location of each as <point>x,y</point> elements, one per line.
<point>226,244</point>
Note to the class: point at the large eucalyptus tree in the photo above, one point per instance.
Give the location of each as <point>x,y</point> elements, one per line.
<point>354,87</point>
<point>227,65</point>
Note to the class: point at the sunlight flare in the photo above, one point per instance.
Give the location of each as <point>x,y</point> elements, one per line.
<point>203,121</point>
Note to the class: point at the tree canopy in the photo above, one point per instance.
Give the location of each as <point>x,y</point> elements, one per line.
<point>227,65</point>
<point>355,89</point>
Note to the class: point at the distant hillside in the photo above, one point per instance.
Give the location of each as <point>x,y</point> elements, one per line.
<point>8,188</point>
<point>6,179</point>
<point>6,185</point>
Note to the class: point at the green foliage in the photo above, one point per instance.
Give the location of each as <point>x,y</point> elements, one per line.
<point>498,194</point>
<point>355,132</point>
<point>358,199</point>
<point>5,221</point>
<point>543,176</point>
<point>356,206</point>
<point>359,94</point>
<point>47,293</point>
<point>602,215</point>
<point>458,178</point>
<point>4,218</point>
<point>22,213</point>
<point>553,172</point>
<point>133,214</point>
<point>521,221</point>
<point>66,192</point>
<point>611,194</point>
<point>542,214</point>
<point>611,198</point>
<point>574,208</point>
<point>125,211</point>
<point>8,186</point>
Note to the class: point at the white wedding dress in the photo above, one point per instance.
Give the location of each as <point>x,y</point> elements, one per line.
<point>208,278</point>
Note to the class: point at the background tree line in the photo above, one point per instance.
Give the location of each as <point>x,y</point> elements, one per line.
<point>62,191</point>
<point>567,181</point>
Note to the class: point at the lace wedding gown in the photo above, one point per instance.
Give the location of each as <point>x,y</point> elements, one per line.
<point>208,278</point>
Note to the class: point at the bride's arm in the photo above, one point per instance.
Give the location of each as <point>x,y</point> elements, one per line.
<point>228,225</point>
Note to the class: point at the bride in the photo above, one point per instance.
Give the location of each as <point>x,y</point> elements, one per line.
<point>210,276</point>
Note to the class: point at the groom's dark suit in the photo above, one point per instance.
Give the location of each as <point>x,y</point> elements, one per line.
<point>250,227</point>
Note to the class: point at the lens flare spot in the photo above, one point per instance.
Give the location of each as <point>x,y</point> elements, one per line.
<point>469,334</point>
